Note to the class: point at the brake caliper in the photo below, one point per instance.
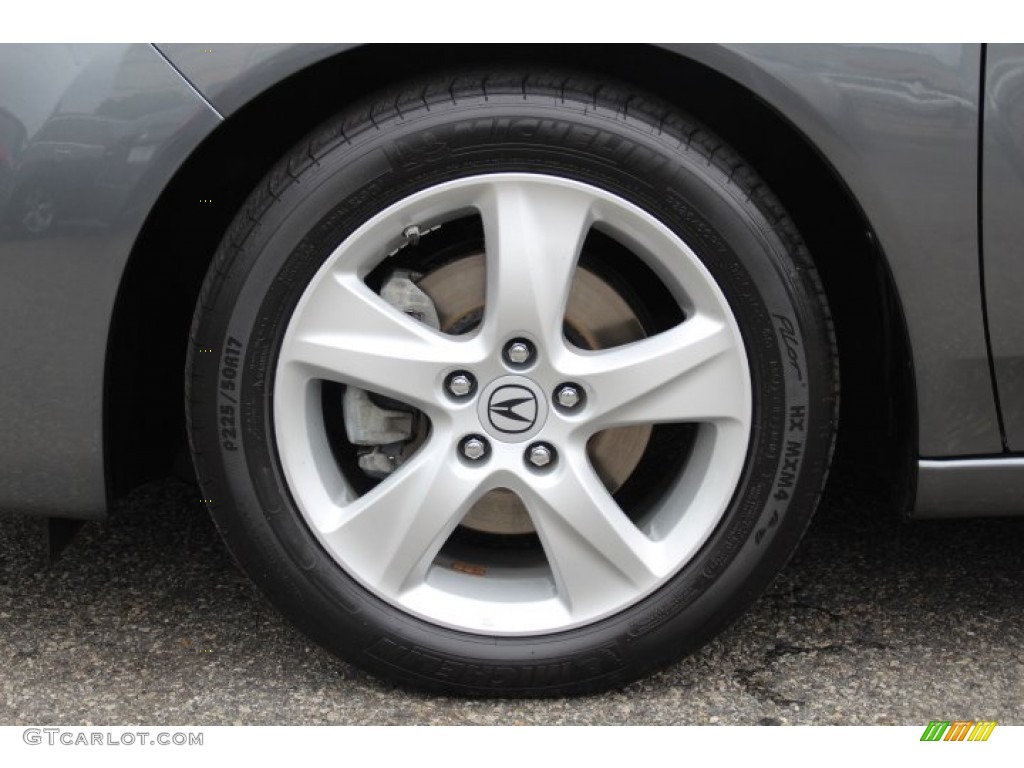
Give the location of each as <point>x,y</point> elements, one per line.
<point>386,427</point>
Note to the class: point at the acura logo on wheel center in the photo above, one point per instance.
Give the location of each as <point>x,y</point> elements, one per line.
<point>512,409</point>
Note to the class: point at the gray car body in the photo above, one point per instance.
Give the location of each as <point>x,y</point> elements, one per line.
<point>926,138</point>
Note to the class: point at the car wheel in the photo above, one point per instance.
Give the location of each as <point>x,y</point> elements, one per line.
<point>512,383</point>
<point>37,211</point>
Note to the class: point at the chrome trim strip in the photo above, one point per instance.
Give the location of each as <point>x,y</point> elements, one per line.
<point>969,488</point>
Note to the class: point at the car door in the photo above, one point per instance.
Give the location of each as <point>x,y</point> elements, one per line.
<point>1002,203</point>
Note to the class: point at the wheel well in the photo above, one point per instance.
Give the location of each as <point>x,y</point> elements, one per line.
<point>144,384</point>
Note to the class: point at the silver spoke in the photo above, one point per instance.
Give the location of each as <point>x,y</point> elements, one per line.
<point>691,373</point>
<point>533,234</point>
<point>596,553</point>
<point>390,535</point>
<point>347,333</point>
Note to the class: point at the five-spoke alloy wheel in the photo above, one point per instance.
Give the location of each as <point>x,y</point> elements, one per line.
<point>600,560</point>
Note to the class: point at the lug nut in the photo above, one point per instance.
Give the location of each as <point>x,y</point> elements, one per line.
<point>474,448</point>
<point>540,455</point>
<point>518,352</point>
<point>568,396</point>
<point>460,384</point>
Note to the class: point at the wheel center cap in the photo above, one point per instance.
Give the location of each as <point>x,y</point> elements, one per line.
<point>512,409</point>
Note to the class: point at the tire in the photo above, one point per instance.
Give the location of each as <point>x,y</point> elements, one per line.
<point>36,212</point>
<point>450,510</point>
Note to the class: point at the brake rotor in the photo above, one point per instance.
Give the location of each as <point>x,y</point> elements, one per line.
<point>596,317</point>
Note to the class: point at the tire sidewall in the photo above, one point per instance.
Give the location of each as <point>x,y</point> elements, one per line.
<point>758,271</point>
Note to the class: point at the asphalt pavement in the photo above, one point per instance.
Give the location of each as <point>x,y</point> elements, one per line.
<point>145,619</point>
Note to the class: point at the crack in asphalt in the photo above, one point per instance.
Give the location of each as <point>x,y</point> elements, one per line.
<point>747,676</point>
